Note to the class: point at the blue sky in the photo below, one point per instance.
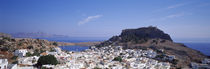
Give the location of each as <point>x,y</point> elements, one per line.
<point>182,19</point>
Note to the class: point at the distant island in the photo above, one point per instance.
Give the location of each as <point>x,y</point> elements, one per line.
<point>36,35</point>
<point>51,37</point>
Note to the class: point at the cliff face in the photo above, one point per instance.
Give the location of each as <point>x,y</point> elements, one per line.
<point>144,33</point>
<point>137,36</point>
<point>154,38</point>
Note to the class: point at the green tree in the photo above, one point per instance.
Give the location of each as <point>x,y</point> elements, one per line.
<point>97,68</point>
<point>48,59</point>
<point>30,47</point>
<point>55,43</point>
<point>118,59</point>
<point>28,54</point>
<point>36,53</point>
<point>14,57</point>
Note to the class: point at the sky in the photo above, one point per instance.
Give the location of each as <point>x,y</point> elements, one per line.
<point>183,20</point>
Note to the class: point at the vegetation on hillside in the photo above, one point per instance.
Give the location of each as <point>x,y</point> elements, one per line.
<point>48,59</point>
<point>118,59</point>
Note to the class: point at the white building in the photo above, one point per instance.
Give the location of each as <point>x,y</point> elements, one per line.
<point>28,60</point>
<point>26,67</point>
<point>151,54</point>
<point>58,50</point>
<point>206,61</point>
<point>20,52</point>
<point>52,53</point>
<point>3,63</point>
<point>48,66</point>
<point>171,57</point>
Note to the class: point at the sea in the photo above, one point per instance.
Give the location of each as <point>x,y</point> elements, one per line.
<point>202,47</point>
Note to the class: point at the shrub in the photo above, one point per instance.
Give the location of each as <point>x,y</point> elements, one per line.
<point>4,49</point>
<point>15,62</point>
<point>2,42</point>
<point>118,59</point>
<point>7,38</point>
<point>162,41</point>
<point>48,59</point>
<point>174,61</point>
<point>55,43</point>
<point>36,53</point>
<point>14,57</point>
<point>97,68</point>
<point>52,50</point>
<point>13,40</point>
<point>28,54</point>
<point>43,68</point>
<point>30,47</point>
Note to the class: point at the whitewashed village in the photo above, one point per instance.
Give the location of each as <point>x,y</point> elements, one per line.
<point>109,57</point>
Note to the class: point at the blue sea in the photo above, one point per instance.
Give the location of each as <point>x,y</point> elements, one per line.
<point>202,47</point>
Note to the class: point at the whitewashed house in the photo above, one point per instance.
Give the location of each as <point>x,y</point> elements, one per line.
<point>151,54</point>
<point>171,57</point>
<point>28,60</point>
<point>206,61</point>
<point>20,52</point>
<point>3,63</point>
<point>58,50</point>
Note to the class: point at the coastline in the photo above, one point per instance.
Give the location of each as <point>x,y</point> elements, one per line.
<point>78,44</point>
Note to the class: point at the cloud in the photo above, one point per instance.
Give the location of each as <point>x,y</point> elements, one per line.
<point>175,15</point>
<point>88,19</point>
<point>175,6</point>
<point>171,16</point>
<point>172,7</point>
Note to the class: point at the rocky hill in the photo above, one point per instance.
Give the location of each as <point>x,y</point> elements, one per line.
<point>143,33</point>
<point>154,38</point>
<point>8,45</point>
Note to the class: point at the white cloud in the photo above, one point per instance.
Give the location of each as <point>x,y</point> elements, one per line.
<point>175,6</point>
<point>175,15</point>
<point>172,7</point>
<point>171,16</point>
<point>88,19</point>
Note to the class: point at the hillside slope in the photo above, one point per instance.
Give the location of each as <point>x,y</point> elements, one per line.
<point>154,38</point>
<point>8,45</point>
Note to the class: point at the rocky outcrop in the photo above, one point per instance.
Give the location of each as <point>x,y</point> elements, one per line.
<point>144,33</point>
<point>154,38</point>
